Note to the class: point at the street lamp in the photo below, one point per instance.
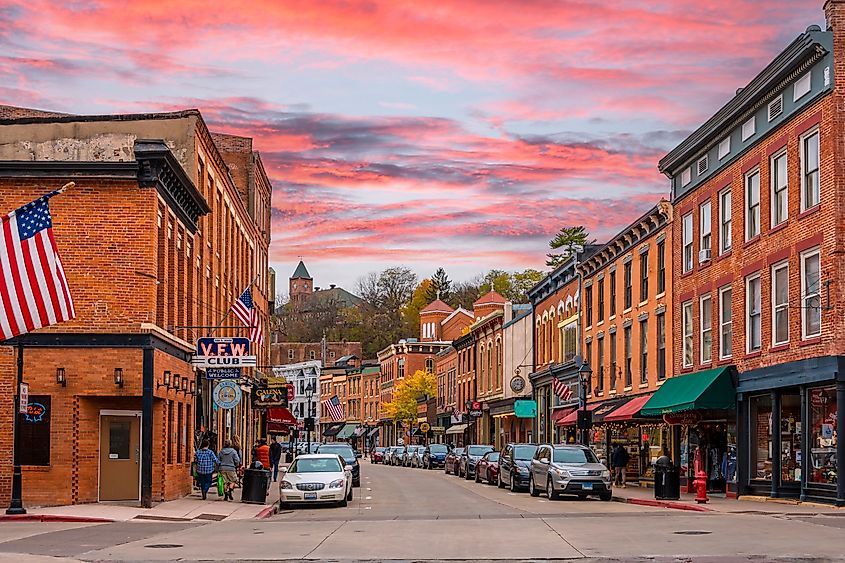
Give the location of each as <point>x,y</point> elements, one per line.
<point>586,375</point>
<point>309,420</point>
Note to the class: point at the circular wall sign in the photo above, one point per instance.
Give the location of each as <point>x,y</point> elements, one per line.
<point>227,394</point>
<point>517,384</point>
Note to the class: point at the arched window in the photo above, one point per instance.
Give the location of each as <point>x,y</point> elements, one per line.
<point>489,366</point>
<point>480,363</point>
<point>499,381</point>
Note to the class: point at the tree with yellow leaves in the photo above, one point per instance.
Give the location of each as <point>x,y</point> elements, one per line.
<point>403,407</point>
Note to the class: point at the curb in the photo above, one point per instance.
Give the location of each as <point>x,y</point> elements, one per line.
<point>663,504</point>
<point>266,513</point>
<point>53,518</point>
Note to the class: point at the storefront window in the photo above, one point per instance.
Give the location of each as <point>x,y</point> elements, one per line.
<point>823,439</point>
<point>655,440</point>
<point>761,437</point>
<point>790,437</point>
<point>729,459</point>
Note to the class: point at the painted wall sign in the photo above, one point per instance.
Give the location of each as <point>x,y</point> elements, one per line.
<point>266,398</point>
<point>689,417</point>
<point>223,352</point>
<point>227,394</point>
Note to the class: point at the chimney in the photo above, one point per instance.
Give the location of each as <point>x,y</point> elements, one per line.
<point>332,286</point>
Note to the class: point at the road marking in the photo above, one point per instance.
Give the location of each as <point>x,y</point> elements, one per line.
<point>368,508</point>
<point>369,489</point>
<point>368,498</point>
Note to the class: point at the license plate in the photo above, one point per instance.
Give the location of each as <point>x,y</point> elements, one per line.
<point>310,496</point>
<point>587,486</point>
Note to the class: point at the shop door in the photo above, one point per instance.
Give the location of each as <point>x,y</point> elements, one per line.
<point>120,457</point>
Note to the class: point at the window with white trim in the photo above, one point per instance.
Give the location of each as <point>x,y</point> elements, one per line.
<point>753,314</point>
<point>724,148</point>
<point>780,197</point>
<point>802,87</point>
<point>704,228</point>
<point>749,128</point>
<point>686,176</point>
<point>725,221</point>
<point>726,330</point>
<point>706,327</point>
<point>810,170</point>
<point>290,353</point>
<point>811,320</point>
<point>780,303</point>
<point>687,241</point>
<point>686,322</point>
<point>752,204</point>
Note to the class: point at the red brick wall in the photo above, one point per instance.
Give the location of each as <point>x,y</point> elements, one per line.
<point>280,351</point>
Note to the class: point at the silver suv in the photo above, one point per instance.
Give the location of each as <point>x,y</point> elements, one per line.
<point>572,470</point>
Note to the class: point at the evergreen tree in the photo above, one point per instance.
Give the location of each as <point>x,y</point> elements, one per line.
<point>566,238</point>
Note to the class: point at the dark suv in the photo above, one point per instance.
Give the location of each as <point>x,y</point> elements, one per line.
<point>349,456</point>
<point>513,465</point>
<point>469,458</point>
<point>435,456</point>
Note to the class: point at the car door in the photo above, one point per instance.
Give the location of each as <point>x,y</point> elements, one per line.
<point>539,468</point>
<point>505,464</point>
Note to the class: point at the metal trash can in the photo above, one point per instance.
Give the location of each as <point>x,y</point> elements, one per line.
<point>667,479</point>
<point>255,484</point>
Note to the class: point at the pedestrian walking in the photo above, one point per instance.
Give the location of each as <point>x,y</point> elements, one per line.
<point>619,462</point>
<point>275,456</point>
<point>206,461</point>
<point>228,468</point>
<point>262,453</point>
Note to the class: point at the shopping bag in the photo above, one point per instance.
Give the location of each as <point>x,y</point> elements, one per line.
<point>194,470</point>
<point>220,485</point>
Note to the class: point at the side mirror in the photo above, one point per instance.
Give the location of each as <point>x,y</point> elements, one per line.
<point>348,468</point>
<point>544,460</point>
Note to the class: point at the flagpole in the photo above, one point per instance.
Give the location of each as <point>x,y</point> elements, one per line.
<point>16,502</point>
<point>229,310</point>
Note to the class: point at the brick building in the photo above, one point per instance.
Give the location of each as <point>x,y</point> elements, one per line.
<point>294,352</point>
<point>758,244</point>
<point>157,235</point>
<point>446,370</point>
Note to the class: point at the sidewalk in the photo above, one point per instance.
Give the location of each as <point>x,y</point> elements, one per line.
<point>746,504</point>
<point>189,508</point>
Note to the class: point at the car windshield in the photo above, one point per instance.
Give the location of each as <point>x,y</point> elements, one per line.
<point>493,456</point>
<point>524,452</point>
<point>315,465</point>
<point>344,451</point>
<point>458,451</point>
<point>479,450</point>
<point>438,449</point>
<point>574,455</point>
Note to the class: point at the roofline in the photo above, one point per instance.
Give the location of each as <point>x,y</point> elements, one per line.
<point>72,118</point>
<point>455,312</point>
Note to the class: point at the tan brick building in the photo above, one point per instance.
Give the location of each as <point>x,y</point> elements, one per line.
<point>157,235</point>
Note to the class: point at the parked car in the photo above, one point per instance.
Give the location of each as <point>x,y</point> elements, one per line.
<point>452,461</point>
<point>487,468</point>
<point>399,455</point>
<point>513,465</point>
<point>377,455</point>
<point>415,456</point>
<point>349,456</point>
<point>435,456</point>
<point>573,470</point>
<point>390,459</point>
<point>470,458</point>
<point>316,478</point>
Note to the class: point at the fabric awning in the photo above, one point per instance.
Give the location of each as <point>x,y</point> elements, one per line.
<point>347,431</point>
<point>607,407</point>
<point>333,428</point>
<point>277,428</point>
<point>711,389</point>
<point>560,414</point>
<point>360,431</point>
<point>571,418</point>
<point>629,410</point>
<point>280,415</point>
<point>372,433</point>
<point>457,429</point>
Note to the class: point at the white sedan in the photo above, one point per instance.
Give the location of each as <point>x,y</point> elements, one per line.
<point>316,478</point>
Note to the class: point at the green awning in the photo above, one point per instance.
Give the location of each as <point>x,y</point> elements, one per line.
<point>712,389</point>
<point>346,431</point>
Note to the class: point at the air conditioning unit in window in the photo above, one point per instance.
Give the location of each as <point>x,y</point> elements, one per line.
<point>703,255</point>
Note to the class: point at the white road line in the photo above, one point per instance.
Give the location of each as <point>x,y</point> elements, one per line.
<point>368,498</point>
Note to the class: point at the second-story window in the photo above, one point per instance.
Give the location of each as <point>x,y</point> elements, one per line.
<point>612,373</point>
<point>706,325</point>
<point>661,267</point>
<point>687,242</point>
<point>600,372</point>
<point>780,199</point>
<point>661,346</point>
<point>705,231</point>
<point>644,351</point>
<point>401,369</point>
<point>725,221</point>
<point>752,205</point>
<point>753,322</point>
<point>588,299</point>
<point>612,284</point>
<point>810,170</point>
<point>429,365</point>
<point>686,337</point>
<point>644,276</point>
<point>780,303</point>
<point>601,300</point>
<point>628,281</point>
<point>628,356</point>
<point>312,355</point>
<point>811,320</point>
<point>570,341</point>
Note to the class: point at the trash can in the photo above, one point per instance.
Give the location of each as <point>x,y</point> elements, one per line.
<point>667,480</point>
<point>254,486</point>
<point>289,456</point>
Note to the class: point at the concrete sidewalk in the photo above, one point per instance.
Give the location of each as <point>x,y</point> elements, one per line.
<point>188,508</point>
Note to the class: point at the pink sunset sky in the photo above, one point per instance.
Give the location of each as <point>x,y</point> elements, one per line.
<point>461,134</point>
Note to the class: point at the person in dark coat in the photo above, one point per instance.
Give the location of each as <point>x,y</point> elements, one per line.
<point>275,456</point>
<point>619,462</point>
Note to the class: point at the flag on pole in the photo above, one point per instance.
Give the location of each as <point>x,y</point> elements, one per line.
<point>245,310</point>
<point>561,389</point>
<point>33,288</point>
<point>334,408</point>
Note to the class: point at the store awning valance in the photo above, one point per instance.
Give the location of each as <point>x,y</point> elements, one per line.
<point>711,389</point>
<point>280,415</point>
<point>457,429</point>
<point>360,431</point>
<point>572,417</point>
<point>333,428</point>
<point>628,411</point>
<point>560,414</point>
<point>372,433</point>
<point>346,431</point>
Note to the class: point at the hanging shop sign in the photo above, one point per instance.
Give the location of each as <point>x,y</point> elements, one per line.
<point>24,398</point>
<point>227,394</point>
<point>266,398</point>
<point>223,353</point>
<point>525,408</point>
<point>474,409</point>
<point>223,373</point>
<point>425,427</point>
<point>688,417</point>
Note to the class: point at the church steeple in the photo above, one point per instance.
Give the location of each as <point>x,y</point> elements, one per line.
<point>301,283</point>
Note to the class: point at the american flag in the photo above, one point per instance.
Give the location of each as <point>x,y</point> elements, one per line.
<point>245,310</point>
<point>561,389</point>
<point>33,288</point>
<point>334,408</point>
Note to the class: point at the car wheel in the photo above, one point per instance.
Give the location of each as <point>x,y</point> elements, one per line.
<point>499,482</point>
<point>349,496</point>
<point>606,496</point>
<point>550,489</point>
<point>284,505</point>
<point>477,476</point>
<point>344,503</point>
<point>513,484</point>
<point>531,488</point>
<point>466,474</point>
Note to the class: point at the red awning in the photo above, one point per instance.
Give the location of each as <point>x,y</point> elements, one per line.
<point>571,418</point>
<point>629,410</point>
<point>277,428</point>
<point>280,415</point>
<point>560,414</point>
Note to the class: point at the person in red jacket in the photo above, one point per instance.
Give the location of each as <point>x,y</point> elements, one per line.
<point>262,453</point>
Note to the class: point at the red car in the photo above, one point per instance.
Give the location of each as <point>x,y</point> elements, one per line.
<point>377,455</point>
<point>487,468</point>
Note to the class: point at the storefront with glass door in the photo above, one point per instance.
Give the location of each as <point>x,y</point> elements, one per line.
<point>789,430</point>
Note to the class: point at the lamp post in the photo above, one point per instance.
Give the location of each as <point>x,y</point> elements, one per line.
<point>309,421</point>
<point>585,374</point>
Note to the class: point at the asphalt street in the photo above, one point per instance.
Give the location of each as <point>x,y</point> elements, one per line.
<point>416,515</point>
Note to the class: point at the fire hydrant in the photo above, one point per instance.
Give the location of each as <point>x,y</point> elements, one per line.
<point>700,484</point>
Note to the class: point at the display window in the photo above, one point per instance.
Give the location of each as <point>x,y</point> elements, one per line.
<point>729,456</point>
<point>823,439</point>
<point>790,437</point>
<point>655,440</point>
<point>761,437</point>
